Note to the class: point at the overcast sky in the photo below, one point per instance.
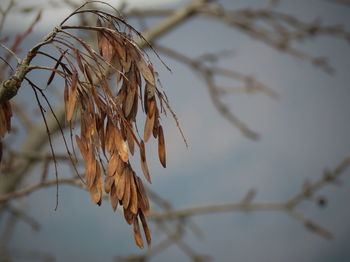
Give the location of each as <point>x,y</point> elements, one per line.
<point>304,131</point>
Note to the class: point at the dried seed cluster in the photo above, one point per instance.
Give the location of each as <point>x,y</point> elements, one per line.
<point>108,112</point>
<point>108,116</point>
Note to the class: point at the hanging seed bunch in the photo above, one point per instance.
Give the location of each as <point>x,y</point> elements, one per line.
<point>108,110</point>
<point>108,113</point>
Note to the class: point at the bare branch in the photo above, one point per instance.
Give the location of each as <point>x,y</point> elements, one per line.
<point>310,225</point>
<point>207,73</point>
<point>178,17</point>
<point>23,116</point>
<point>288,206</point>
<point>9,87</point>
<point>11,52</point>
<point>328,177</point>
<point>24,217</point>
<point>31,189</point>
<point>275,33</point>
<point>4,13</point>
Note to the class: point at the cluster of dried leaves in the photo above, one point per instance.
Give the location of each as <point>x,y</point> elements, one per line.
<point>108,117</point>
<point>107,111</point>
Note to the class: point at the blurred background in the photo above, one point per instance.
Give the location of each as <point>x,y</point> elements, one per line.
<point>302,131</point>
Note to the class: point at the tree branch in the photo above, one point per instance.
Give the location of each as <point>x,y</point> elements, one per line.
<point>31,189</point>
<point>9,87</point>
<point>246,204</point>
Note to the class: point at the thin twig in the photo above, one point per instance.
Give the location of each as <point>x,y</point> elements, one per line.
<point>31,189</point>
<point>11,52</point>
<point>4,13</point>
<point>23,116</point>
<point>24,217</point>
<point>42,111</point>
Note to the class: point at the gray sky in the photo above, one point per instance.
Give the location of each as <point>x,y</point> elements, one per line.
<point>304,131</point>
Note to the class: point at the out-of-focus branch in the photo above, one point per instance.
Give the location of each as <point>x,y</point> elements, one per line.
<point>279,30</point>
<point>288,206</point>
<point>329,176</point>
<point>35,140</point>
<point>172,237</point>
<point>152,251</point>
<point>26,191</point>
<point>179,16</point>
<point>198,65</point>
<point>177,239</point>
<point>4,13</point>
<point>11,51</point>
<point>224,110</point>
<point>148,12</point>
<point>207,72</point>
<point>34,156</point>
<point>182,224</point>
<point>217,208</point>
<point>246,205</point>
<point>17,213</point>
<point>9,87</point>
<point>8,230</point>
<point>22,115</point>
<point>310,225</point>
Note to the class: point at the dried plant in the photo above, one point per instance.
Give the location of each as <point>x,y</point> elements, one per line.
<point>103,114</point>
<point>107,111</point>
